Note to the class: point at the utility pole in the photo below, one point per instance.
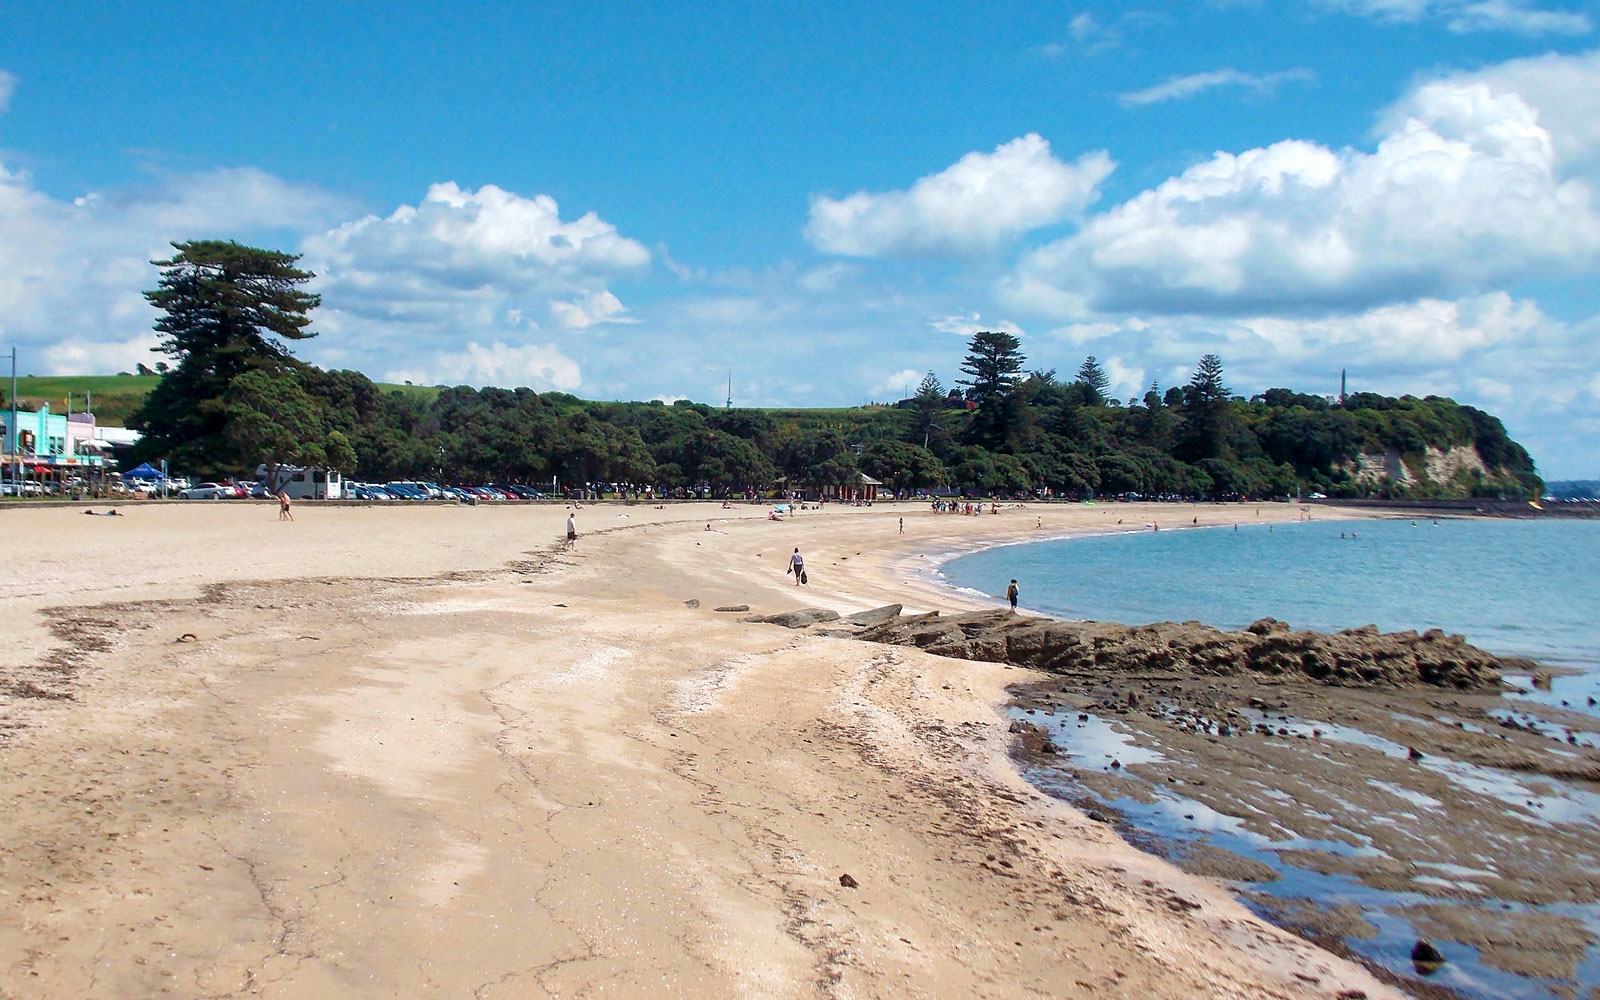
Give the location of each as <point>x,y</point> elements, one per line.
<point>12,430</point>
<point>1341,386</point>
<point>730,389</point>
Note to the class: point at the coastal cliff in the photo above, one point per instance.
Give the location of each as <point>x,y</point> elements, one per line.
<point>1456,471</point>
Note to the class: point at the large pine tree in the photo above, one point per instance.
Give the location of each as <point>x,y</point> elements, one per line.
<point>226,311</point>
<point>992,366</point>
<point>1095,382</point>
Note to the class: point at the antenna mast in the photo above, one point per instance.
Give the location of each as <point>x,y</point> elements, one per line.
<point>730,389</point>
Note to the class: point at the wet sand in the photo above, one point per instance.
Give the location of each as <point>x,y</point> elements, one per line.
<point>389,751</point>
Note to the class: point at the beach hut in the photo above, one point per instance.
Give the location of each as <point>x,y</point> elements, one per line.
<point>861,487</point>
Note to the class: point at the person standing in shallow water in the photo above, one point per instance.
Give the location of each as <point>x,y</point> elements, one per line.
<point>1011,594</point>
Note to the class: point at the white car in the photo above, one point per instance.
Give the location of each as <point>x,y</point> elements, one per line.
<point>206,491</point>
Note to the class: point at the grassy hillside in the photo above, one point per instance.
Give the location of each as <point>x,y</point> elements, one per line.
<point>116,397</point>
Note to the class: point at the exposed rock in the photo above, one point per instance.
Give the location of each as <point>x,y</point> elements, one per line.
<point>1267,626</point>
<point>877,616</point>
<point>1358,657</point>
<point>693,602</point>
<point>1203,858</point>
<point>732,608</point>
<point>1424,953</point>
<point>848,882</point>
<point>804,618</point>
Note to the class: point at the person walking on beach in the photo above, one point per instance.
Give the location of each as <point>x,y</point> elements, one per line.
<point>572,530</point>
<point>902,526</point>
<point>1011,594</point>
<point>283,507</point>
<point>797,566</point>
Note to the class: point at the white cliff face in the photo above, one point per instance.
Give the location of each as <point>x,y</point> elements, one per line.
<point>1436,466</point>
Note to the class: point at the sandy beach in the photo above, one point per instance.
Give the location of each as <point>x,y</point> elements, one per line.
<point>403,751</point>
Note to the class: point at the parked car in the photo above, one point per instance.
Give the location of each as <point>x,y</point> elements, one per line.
<point>207,491</point>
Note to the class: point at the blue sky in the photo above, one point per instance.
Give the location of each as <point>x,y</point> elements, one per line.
<point>631,200</point>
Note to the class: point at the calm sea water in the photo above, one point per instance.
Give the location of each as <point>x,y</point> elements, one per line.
<point>1526,588</point>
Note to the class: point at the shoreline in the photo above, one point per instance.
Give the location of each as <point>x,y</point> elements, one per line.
<point>1421,882</point>
<point>519,770</point>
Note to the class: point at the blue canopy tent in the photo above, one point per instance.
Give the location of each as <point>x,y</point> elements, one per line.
<point>144,471</point>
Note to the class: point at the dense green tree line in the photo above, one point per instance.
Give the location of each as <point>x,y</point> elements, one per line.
<point>235,397</point>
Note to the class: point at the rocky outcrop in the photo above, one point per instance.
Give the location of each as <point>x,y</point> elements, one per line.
<point>876,616</point>
<point>804,618</point>
<point>1354,657</point>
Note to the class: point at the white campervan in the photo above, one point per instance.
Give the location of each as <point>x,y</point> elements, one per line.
<point>304,483</point>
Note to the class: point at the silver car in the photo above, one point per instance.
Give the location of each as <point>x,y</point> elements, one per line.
<point>206,491</point>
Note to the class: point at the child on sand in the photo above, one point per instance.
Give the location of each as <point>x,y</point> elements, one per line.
<point>283,507</point>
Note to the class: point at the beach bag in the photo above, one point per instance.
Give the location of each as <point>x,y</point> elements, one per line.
<point>802,576</point>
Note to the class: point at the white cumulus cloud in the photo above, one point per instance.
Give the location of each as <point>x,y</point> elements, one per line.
<point>461,269</point>
<point>1564,90</point>
<point>456,240</point>
<point>967,324</point>
<point>1412,335</point>
<point>538,366</point>
<point>896,385</point>
<point>591,310</point>
<point>1460,195</point>
<point>972,206</point>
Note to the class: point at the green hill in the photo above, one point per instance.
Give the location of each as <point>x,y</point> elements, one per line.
<point>116,397</point>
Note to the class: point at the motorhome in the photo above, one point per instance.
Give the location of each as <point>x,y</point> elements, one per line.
<point>308,483</point>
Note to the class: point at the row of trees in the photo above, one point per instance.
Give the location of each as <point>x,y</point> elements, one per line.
<point>235,395</point>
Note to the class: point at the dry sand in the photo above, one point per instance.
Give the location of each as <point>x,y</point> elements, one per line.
<point>420,751</point>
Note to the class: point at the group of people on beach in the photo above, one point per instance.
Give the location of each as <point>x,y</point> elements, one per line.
<point>964,508</point>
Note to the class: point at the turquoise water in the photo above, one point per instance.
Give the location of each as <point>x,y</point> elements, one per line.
<point>1524,588</point>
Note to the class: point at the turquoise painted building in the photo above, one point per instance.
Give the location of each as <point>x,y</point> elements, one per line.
<point>57,440</point>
